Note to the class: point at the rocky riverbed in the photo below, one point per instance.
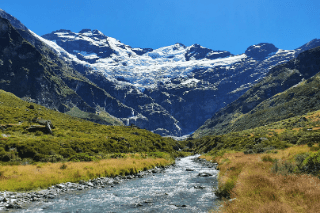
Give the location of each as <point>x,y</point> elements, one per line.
<point>19,200</point>
<point>161,189</point>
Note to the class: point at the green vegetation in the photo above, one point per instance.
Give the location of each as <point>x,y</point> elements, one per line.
<point>296,130</point>
<point>274,166</point>
<point>267,182</point>
<point>102,118</point>
<point>73,139</point>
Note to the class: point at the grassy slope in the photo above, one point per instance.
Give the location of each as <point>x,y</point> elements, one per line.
<point>276,176</point>
<point>72,138</point>
<point>249,179</point>
<point>102,118</point>
<point>271,99</point>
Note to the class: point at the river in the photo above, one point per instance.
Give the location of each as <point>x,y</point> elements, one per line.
<point>174,190</point>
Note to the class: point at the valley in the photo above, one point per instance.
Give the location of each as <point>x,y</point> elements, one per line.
<point>91,123</point>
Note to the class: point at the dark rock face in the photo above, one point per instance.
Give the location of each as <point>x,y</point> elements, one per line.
<point>14,22</point>
<point>141,51</point>
<point>261,51</point>
<point>74,46</point>
<point>23,65</point>
<point>198,52</point>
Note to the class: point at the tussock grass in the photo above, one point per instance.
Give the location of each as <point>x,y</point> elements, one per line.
<point>43,175</point>
<point>257,189</point>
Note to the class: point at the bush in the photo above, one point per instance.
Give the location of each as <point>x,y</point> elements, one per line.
<point>267,158</point>
<point>63,166</point>
<point>283,167</point>
<point>81,157</point>
<point>311,164</point>
<point>118,155</point>
<point>224,190</point>
<point>4,156</point>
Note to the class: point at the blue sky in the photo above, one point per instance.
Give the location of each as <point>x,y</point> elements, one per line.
<point>231,25</point>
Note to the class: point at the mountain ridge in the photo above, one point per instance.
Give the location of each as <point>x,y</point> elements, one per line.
<point>286,91</point>
<point>171,90</point>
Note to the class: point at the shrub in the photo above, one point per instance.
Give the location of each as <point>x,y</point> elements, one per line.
<point>311,164</point>
<point>118,155</point>
<point>63,166</point>
<point>267,158</point>
<point>81,157</point>
<point>283,167</point>
<point>224,189</point>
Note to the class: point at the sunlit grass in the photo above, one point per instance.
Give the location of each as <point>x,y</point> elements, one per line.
<point>257,189</point>
<point>43,175</point>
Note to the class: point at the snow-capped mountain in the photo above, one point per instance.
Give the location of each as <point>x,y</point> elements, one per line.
<point>186,84</point>
<point>171,90</point>
<point>142,68</point>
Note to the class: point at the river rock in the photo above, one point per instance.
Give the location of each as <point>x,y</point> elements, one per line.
<point>199,187</point>
<point>189,170</point>
<point>204,174</point>
<point>60,186</point>
<point>176,205</point>
<point>13,206</point>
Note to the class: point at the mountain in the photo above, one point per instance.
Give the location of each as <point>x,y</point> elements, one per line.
<point>37,75</point>
<point>181,85</point>
<point>288,90</point>
<point>171,90</point>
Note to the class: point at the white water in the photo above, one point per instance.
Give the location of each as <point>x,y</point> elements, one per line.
<point>161,192</point>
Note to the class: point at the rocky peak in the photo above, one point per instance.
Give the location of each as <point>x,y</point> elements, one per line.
<point>178,45</point>
<point>261,51</point>
<point>311,44</point>
<point>62,31</point>
<point>14,22</point>
<point>141,51</point>
<point>197,52</point>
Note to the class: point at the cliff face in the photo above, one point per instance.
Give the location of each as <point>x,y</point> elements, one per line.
<point>25,72</point>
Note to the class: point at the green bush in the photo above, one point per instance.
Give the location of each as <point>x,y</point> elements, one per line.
<point>81,157</point>
<point>224,190</point>
<point>267,158</point>
<point>283,167</point>
<point>311,164</point>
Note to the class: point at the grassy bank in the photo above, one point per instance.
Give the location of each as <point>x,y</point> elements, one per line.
<point>43,175</point>
<point>271,168</point>
<point>268,182</point>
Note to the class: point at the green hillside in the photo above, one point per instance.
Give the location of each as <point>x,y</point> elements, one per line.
<point>71,139</point>
<point>297,130</point>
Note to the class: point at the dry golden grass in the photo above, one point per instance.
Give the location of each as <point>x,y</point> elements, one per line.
<point>314,116</point>
<point>279,131</point>
<point>257,189</point>
<point>28,177</point>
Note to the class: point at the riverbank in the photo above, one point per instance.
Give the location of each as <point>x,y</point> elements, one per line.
<point>267,182</point>
<point>16,181</point>
<point>185,186</point>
